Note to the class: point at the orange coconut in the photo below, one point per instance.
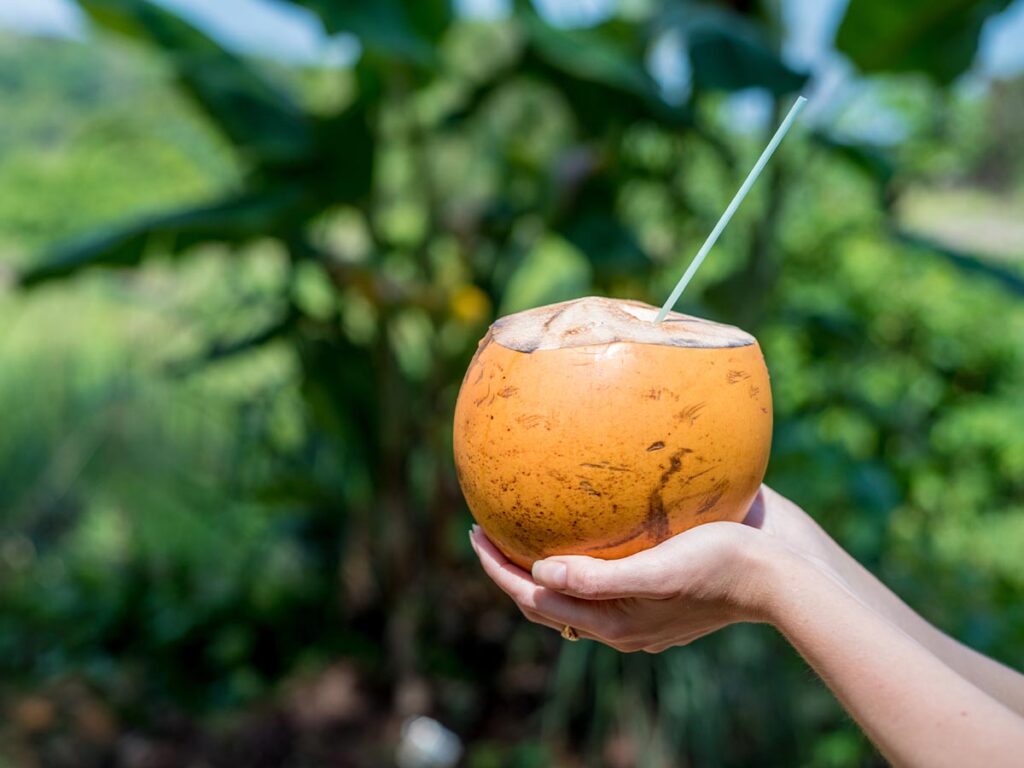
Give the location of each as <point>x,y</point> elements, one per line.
<point>585,428</point>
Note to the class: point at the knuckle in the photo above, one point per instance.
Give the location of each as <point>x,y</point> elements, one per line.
<point>584,582</point>
<point>525,599</point>
<point>527,605</point>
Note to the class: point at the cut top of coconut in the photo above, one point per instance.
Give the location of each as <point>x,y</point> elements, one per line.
<point>595,320</point>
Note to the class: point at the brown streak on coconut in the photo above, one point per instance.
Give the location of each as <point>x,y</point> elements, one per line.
<point>713,498</point>
<point>690,413</point>
<point>657,521</point>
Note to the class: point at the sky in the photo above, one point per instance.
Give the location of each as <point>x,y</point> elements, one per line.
<point>272,27</point>
<point>291,33</point>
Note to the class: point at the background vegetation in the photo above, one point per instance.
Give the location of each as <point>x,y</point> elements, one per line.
<point>242,294</point>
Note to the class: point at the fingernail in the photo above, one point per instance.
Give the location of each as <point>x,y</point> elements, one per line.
<point>474,529</point>
<point>550,574</point>
<point>472,540</point>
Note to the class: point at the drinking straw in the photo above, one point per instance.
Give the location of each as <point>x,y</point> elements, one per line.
<point>762,161</point>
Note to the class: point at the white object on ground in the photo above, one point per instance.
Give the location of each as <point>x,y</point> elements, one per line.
<point>425,743</point>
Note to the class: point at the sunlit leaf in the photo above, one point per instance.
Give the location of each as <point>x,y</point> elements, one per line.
<point>869,158</point>
<point>255,115</point>
<point>1009,278</point>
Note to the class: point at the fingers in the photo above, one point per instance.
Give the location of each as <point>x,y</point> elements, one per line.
<point>645,574</point>
<point>538,603</point>
<point>681,562</point>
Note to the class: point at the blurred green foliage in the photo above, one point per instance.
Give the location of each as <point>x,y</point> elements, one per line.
<point>229,468</point>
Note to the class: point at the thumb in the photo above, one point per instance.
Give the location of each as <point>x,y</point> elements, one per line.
<point>593,579</point>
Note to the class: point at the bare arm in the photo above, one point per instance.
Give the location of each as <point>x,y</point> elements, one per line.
<point>922,698</point>
<point>786,520</point>
<point>915,708</point>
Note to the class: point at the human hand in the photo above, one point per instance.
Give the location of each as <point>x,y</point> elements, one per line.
<point>920,696</point>
<point>686,587</point>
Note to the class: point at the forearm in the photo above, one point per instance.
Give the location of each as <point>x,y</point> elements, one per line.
<point>916,709</point>
<point>998,680</point>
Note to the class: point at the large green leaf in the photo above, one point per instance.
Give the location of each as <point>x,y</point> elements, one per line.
<point>592,224</point>
<point>730,58</point>
<point>403,28</point>
<point>726,52</point>
<point>342,168</point>
<point>610,54</point>
<point>869,158</point>
<point>222,350</point>
<point>1007,277</point>
<point>235,220</point>
<point>552,271</point>
<point>937,37</point>
<point>256,116</point>
<point>872,160</point>
<point>599,71</point>
<point>611,246</point>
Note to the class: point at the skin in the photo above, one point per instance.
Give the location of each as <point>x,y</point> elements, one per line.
<point>923,698</point>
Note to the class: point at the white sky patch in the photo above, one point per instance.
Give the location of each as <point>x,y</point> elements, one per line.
<point>669,65</point>
<point>809,46</point>
<point>269,28</point>
<point>811,27</point>
<point>869,119</point>
<point>575,13</point>
<point>48,18</point>
<point>288,32</point>
<point>483,10</point>
<point>749,111</point>
<point>1001,52</point>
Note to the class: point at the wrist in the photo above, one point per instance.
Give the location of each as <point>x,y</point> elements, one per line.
<point>778,576</point>
<point>759,571</point>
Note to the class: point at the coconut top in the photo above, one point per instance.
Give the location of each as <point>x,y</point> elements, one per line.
<point>595,320</point>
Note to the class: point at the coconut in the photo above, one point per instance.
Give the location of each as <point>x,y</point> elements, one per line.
<point>585,428</point>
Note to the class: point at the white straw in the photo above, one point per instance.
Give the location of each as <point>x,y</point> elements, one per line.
<point>727,216</point>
